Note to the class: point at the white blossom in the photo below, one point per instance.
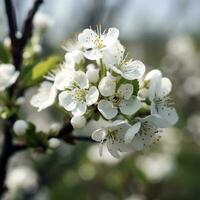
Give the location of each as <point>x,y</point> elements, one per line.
<point>115,60</point>
<point>158,92</point>
<point>8,76</point>
<point>79,96</point>
<point>45,97</point>
<point>94,43</point>
<point>122,99</point>
<point>113,136</point>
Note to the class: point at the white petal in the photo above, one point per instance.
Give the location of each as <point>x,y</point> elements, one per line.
<point>99,135</point>
<point>66,100</point>
<point>80,78</point>
<point>107,86</point>
<point>92,96</point>
<point>133,70</point>
<point>131,132</point>
<point>113,151</point>
<point>45,97</point>
<point>92,54</point>
<point>8,75</point>
<point>78,121</point>
<point>153,74</point>
<point>101,149</point>
<point>80,109</point>
<point>125,90</point>
<point>114,55</point>
<point>87,38</point>
<point>157,121</point>
<point>130,106</point>
<point>92,75</point>
<point>106,109</point>
<point>168,114</point>
<point>64,79</point>
<point>166,87</point>
<point>110,37</point>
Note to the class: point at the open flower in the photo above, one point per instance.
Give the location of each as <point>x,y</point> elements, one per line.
<point>115,60</point>
<point>122,99</point>
<point>45,97</point>
<point>113,136</point>
<point>8,76</point>
<point>79,95</point>
<point>158,93</point>
<point>143,132</point>
<point>94,43</point>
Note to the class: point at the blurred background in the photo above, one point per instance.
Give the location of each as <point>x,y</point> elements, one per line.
<point>162,34</point>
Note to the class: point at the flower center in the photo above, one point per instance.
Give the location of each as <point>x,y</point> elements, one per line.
<point>116,100</point>
<point>80,94</point>
<point>111,134</point>
<point>99,43</point>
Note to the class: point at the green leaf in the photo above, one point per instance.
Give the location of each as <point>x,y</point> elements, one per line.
<point>4,55</point>
<point>36,73</point>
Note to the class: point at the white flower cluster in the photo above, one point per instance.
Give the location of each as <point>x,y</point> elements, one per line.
<point>8,76</point>
<point>111,86</point>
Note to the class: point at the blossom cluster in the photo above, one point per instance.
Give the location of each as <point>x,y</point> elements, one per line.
<point>97,79</point>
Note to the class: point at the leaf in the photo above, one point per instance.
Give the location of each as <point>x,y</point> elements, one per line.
<point>36,73</point>
<point>4,55</point>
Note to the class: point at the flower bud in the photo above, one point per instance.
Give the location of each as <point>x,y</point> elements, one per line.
<point>20,127</point>
<point>42,21</point>
<point>20,101</point>
<point>54,143</point>
<point>78,121</point>
<point>92,73</point>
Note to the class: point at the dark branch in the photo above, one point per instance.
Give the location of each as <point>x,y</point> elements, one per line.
<point>17,48</point>
<point>12,23</point>
<point>28,24</point>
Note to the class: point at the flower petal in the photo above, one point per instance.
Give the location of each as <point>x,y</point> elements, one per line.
<point>154,78</point>
<point>99,135</point>
<point>167,114</point>
<point>133,70</point>
<point>92,96</point>
<point>110,37</point>
<point>114,55</point>
<point>64,79</point>
<point>112,149</point>
<point>131,132</point>
<point>107,86</point>
<point>45,97</point>
<point>106,109</point>
<point>165,89</point>
<point>66,100</point>
<point>130,106</point>
<point>8,75</point>
<point>80,109</point>
<point>80,78</point>
<point>87,38</point>
<point>125,90</point>
<point>92,54</point>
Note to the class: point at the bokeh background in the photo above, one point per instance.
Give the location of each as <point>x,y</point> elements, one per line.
<point>163,34</point>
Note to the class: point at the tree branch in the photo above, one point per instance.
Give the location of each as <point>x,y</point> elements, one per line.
<point>12,23</point>
<point>17,47</point>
